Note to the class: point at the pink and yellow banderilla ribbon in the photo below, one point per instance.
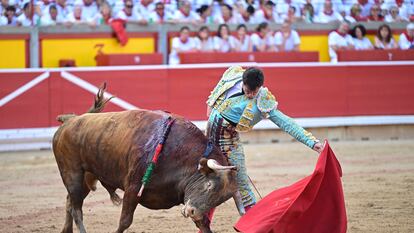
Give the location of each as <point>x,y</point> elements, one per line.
<point>147,176</point>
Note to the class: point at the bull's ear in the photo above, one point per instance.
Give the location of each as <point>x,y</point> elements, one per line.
<point>203,167</point>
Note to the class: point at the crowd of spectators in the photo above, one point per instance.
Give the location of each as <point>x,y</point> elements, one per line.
<point>263,40</point>
<point>96,12</point>
<point>355,39</point>
<point>285,39</point>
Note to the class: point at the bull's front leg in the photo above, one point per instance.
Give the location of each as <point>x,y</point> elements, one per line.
<point>129,204</point>
<point>204,225</point>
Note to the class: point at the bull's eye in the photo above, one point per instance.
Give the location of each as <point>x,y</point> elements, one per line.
<point>209,185</point>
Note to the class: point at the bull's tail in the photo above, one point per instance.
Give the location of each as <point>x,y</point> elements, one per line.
<point>97,107</point>
<point>91,180</point>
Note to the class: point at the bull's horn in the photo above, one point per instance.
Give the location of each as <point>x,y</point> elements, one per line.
<point>214,165</point>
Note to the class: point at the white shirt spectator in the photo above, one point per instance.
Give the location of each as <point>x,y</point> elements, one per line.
<point>324,17</point>
<point>170,6</point>
<point>350,19</point>
<point>63,13</point>
<point>116,6</point>
<point>76,20</point>
<point>379,44</point>
<point>134,17</point>
<point>43,6</point>
<point>292,41</point>
<point>222,45</point>
<point>89,12</point>
<point>179,16</point>
<point>24,21</point>
<point>253,19</point>
<point>3,21</point>
<point>257,41</point>
<point>405,42</point>
<point>233,20</point>
<point>241,46</point>
<point>389,19</point>
<point>155,18</point>
<point>261,17</point>
<point>204,46</point>
<point>46,20</point>
<point>198,3</point>
<point>177,44</point>
<point>336,39</point>
<point>144,11</point>
<point>281,8</point>
<point>366,8</point>
<point>363,44</point>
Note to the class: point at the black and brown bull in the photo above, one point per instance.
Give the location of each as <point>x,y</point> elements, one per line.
<point>113,148</point>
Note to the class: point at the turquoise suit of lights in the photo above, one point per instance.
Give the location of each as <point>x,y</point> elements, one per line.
<point>239,114</point>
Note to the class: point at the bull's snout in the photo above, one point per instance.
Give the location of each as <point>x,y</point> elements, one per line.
<point>191,212</point>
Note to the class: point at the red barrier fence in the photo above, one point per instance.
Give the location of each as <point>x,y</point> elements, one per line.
<point>128,59</point>
<point>34,98</point>
<point>376,55</point>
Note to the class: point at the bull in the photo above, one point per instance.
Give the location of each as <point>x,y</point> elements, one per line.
<point>112,148</point>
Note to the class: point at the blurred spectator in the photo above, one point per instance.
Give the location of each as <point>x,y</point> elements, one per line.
<point>394,15</point>
<point>75,17</point>
<point>407,38</point>
<point>42,7</point>
<point>384,38</point>
<point>203,41</point>
<point>129,13</point>
<point>3,6</point>
<point>170,6</point>
<point>25,19</point>
<point>247,15</point>
<point>89,10</point>
<point>245,3</point>
<point>339,40</point>
<point>205,14</point>
<point>355,14</point>
<point>196,4</point>
<point>144,9</point>
<point>183,43</point>
<point>287,39</point>
<point>226,15</point>
<point>267,13</point>
<point>223,40</point>
<point>116,6</point>
<point>361,42</point>
<point>291,16</point>
<point>242,42</point>
<point>375,14</point>
<point>405,8</point>
<point>262,39</point>
<point>365,7</point>
<point>185,15</point>
<point>50,18</point>
<point>328,14</point>
<point>63,11</point>
<point>160,15</point>
<point>104,16</point>
<point>9,17</point>
<point>308,13</point>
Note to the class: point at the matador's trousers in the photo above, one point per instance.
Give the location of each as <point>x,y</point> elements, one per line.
<point>225,136</point>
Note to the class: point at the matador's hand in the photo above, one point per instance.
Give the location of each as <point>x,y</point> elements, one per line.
<point>318,147</point>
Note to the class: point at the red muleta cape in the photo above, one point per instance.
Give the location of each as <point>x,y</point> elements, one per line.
<point>314,204</point>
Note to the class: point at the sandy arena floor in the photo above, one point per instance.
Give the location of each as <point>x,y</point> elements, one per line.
<point>378,184</point>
